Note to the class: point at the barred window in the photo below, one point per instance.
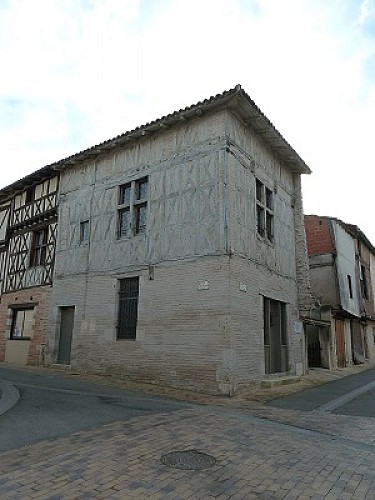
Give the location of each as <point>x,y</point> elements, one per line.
<point>128,308</point>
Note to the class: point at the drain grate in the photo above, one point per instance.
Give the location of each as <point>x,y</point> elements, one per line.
<point>188,460</point>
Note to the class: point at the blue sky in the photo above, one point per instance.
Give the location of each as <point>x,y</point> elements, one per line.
<point>77,72</point>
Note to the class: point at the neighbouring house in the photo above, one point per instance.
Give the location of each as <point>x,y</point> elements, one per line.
<point>28,222</point>
<point>340,257</point>
<point>181,255</point>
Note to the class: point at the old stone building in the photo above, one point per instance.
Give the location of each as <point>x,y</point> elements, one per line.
<point>340,258</point>
<point>181,255</point>
<point>28,223</point>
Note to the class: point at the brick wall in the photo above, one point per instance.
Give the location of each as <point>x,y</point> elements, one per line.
<point>39,297</point>
<point>318,235</point>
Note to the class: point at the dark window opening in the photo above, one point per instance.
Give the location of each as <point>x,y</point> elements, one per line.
<point>125,194</point>
<point>140,213</point>
<point>39,248</point>
<point>364,287</point>
<point>29,195</point>
<point>350,286</point>
<point>260,220</point>
<point>141,188</point>
<point>128,308</point>
<point>269,198</point>
<point>124,222</point>
<point>259,190</point>
<point>269,226</point>
<point>84,231</point>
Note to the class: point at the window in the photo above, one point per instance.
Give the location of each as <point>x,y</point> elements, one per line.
<point>39,248</point>
<point>128,308</point>
<point>350,286</point>
<point>22,324</point>
<point>29,195</point>
<point>84,231</point>
<point>364,288</point>
<point>132,210</point>
<point>264,211</point>
<point>260,220</point>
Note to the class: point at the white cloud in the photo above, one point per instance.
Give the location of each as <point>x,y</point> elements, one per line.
<point>79,72</point>
<point>364,12</point>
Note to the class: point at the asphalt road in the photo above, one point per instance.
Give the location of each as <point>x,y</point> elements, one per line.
<point>53,405</point>
<point>352,395</point>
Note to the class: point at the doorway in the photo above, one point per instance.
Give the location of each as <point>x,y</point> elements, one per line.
<point>314,347</point>
<point>275,336</point>
<point>340,343</point>
<point>66,332</point>
<point>358,342</point>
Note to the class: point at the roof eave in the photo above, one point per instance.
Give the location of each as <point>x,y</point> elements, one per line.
<point>235,99</point>
<point>262,127</point>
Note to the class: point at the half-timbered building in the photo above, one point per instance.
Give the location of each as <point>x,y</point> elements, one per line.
<point>28,225</point>
<point>181,255</point>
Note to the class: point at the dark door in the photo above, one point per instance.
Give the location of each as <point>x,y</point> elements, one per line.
<point>314,354</point>
<point>66,331</point>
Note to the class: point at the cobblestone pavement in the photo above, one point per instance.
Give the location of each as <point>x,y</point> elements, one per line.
<point>261,452</point>
<point>256,458</point>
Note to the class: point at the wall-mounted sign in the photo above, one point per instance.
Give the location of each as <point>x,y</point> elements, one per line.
<point>203,285</point>
<point>297,327</point>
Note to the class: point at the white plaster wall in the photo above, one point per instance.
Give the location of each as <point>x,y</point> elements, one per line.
<point>346,265</point>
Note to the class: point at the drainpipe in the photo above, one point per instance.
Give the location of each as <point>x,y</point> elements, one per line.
<point>225,196</point>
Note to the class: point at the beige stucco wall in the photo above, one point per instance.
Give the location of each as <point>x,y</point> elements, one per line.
<point>17,352</point>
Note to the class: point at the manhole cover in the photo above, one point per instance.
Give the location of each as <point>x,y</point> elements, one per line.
<point>188,460</point>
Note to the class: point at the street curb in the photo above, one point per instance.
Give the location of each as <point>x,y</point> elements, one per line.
<point>10,396</point>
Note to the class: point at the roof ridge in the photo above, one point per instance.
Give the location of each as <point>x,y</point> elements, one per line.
<point>252,111</point>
